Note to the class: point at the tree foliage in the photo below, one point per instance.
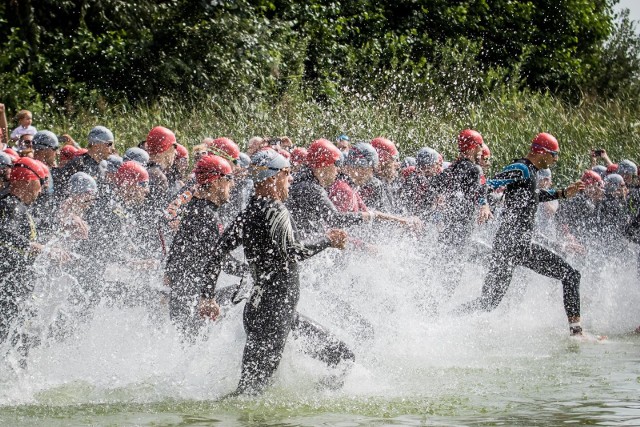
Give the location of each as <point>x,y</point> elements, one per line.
<point>78,53</point>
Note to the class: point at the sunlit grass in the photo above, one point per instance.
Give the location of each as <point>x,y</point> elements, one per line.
<point>507,121</point>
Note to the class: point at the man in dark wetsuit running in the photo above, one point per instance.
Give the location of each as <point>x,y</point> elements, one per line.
<point>512,245</point>
<point>266,231</point>
<point>189,260</point>
<point>464,202</point>
<point>19,247</point>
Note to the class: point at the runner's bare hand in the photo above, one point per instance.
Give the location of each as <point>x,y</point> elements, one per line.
<point>337,237</point>
<point>209,309</point>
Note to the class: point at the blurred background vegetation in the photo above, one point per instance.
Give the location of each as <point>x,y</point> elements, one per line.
<point>414,70</point>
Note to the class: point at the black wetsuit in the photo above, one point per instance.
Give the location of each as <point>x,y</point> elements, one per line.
<point>190,262</point>
<point>462,190</point>
<point>512,245</point>
<point>266,231</point>
<point>159,195</point>
<point>311,208</point>
<point>578,217</point>
<point>613,215</point>
<point>418,194</point>
<point>377,195</point>
<point>460,185</point>
<point>17,231</point>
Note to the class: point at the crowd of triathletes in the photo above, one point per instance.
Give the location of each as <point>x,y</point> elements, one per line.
<point>159,207</point>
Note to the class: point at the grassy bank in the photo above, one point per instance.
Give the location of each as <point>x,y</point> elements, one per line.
<point>507,121</point>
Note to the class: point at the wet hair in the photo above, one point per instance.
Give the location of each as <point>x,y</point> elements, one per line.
<point>22,114</point>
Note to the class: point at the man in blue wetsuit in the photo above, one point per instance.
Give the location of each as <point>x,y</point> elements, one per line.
<point>512,245</point>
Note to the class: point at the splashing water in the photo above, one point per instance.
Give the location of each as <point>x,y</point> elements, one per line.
<point>124,364</point>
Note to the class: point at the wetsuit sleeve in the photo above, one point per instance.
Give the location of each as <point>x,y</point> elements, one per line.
<point>548,195</point>
<point>234,267</point>
<point>282,236</point>
<point>222,260</point>
<point>513,174</point>
<point>300,251</point>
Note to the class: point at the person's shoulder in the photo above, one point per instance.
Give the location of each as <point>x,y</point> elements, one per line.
<point>517,169</point>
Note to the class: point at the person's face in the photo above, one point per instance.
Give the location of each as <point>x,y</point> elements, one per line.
<point>389,169</point>
<point>549,159</point>
<point>27,141</point>
<point>629,178</point>
<point>360,176</point>
<point>286,144</point>
<point>477,152</point>
<point>182,166</point>
<point>27,191</point>
<point>26,121</point>
<point>102,150</point>
<point>620,193</point>
<point>136,193</point>
<point>342,144</point>
<point>484,161</point>
<point>5,174</point>
<point>430,170</point>
<point>219,190</point>
<point>46,156</point>
<point>171,154</point>
<point>84,201</point>
<point>326,175</point>
<point>255,146</point>
<point>283,180</point>
<point>197,155</point>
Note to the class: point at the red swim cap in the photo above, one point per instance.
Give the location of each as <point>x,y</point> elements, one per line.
<point>181,152</point>
<point>224,147</point>
<point>469,139</point>
<point>131,173</point>
<point>408,171</point>
<point>385,148</point>
<point>322,153</point>
<point>159,140</point>
<point>591,178</point>
<point>211,167</point>
<point>298,156</point>
<point>68,152</point>
<point>27,169</point>
<point>14,156</point>
<point>612,168</point>
<point>543,142</point>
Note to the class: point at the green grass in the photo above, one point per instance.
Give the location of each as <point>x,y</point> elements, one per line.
<point>508,121</point>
